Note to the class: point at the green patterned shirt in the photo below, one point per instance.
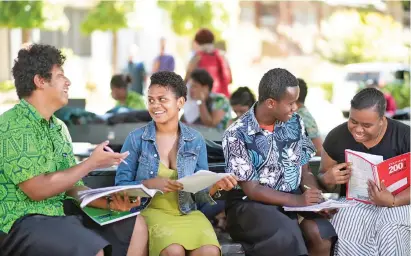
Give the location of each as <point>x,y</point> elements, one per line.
<point>133,100</point>
<point>310,125</point>
<point>219,101</point>
<point>30,146</point>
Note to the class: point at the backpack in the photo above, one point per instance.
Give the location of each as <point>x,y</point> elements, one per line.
<point>219,70</point>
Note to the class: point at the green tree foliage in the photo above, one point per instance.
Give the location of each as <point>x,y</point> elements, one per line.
<point>107,16</point>
<point>351,37</point>
<point>21,14</point>
<point>189,16</point>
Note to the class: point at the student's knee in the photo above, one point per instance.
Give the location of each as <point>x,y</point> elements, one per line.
<point>206,250</point>
<point>140,225</point>
<point>173,250</point>
<point>100,253</point>
<point>312,235</point>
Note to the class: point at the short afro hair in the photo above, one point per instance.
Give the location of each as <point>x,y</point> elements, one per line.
<point>204,36</point>
<point>202,77</point>
<point>171,80</point>
<point>120,81</point>
<point>303,90</point>
<point>274,84</point>
<point>370,98</point>
<point>36,59</point>
<point>242,96</point>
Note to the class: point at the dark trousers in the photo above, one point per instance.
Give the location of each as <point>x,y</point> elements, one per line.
<point>74,235</point>
<point>210,211</point>
<point>266,230</point>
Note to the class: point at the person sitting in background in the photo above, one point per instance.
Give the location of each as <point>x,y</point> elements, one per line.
<point>123,96</point>
<point>163,62</point>
<point>383,227</point>
<point>241,101</point>
<point>391,105</point>
<point>310,125</point>
<point>214,108</point>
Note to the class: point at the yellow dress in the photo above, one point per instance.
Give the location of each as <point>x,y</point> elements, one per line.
<point>167,225</point>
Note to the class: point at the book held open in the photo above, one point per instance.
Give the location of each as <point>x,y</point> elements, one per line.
<point>395,172</point>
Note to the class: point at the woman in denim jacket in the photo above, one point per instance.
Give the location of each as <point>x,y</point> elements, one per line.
<point>160,153</point>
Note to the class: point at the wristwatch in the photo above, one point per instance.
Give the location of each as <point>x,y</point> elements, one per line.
<point>199,102</point>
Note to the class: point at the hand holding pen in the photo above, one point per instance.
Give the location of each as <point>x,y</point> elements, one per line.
<point>101,157</point>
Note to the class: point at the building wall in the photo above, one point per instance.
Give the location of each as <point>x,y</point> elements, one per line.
<point>5,55</point>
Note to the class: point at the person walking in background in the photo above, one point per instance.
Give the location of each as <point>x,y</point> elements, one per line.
<point>136,70</point>
<point>310,124</point>
<point>123,96</point>
<point>211,59</point>
<point>163,62</point>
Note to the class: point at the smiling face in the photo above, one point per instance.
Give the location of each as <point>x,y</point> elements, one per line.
<point>284,108</point>
<point>365,125</point>
<point>163,105</point>
<point>57,88</point>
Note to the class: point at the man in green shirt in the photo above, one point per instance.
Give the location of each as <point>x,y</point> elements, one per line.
<point>123,96</point>
<point>38,170</point>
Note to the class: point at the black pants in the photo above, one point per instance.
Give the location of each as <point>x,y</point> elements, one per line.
<point>72,235</point>
<point>266,230</point>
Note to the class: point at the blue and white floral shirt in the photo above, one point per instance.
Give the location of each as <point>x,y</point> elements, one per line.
<point>272,158</point>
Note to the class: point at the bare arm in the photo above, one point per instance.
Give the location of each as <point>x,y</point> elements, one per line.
<point>210,119</point>
<point>318,143</point>
<point>44,186</point>
<point>191,66</point>
<point>307,178</point>
<point>332,173</point>
<point>403,198</point>
<point>256,192</point>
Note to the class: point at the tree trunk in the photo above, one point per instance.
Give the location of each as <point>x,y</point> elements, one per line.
<point>25,36</point>
<point>114,52</point>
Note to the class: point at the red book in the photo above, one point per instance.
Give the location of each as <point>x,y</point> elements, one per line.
<point>395,172</point>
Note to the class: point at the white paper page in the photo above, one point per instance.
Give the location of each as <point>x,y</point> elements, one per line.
<point>132,191</point>
<point>191,111</point>
<point>329,204</point>
<point>375,159</point>
<point>362,171</point>
<point>201,180</point>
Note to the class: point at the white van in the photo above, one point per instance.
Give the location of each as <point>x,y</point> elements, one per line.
<point>353,75</point>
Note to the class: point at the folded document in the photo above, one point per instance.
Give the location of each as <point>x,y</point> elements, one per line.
<point>329,204</point>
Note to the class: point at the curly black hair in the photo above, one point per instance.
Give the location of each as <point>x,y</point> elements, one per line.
<point>274,84</point>
<point>202,77</point>
<point>171,80</point>
<point>36,59</point>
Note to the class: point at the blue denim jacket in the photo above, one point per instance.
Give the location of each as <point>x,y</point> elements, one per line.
<point>144,159</point>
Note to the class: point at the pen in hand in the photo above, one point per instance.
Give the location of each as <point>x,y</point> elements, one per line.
<point>307,187</point>
<point>110,150</point>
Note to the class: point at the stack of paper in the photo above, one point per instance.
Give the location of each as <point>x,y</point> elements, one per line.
<point>329,204</point>
<point>201,180</point>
